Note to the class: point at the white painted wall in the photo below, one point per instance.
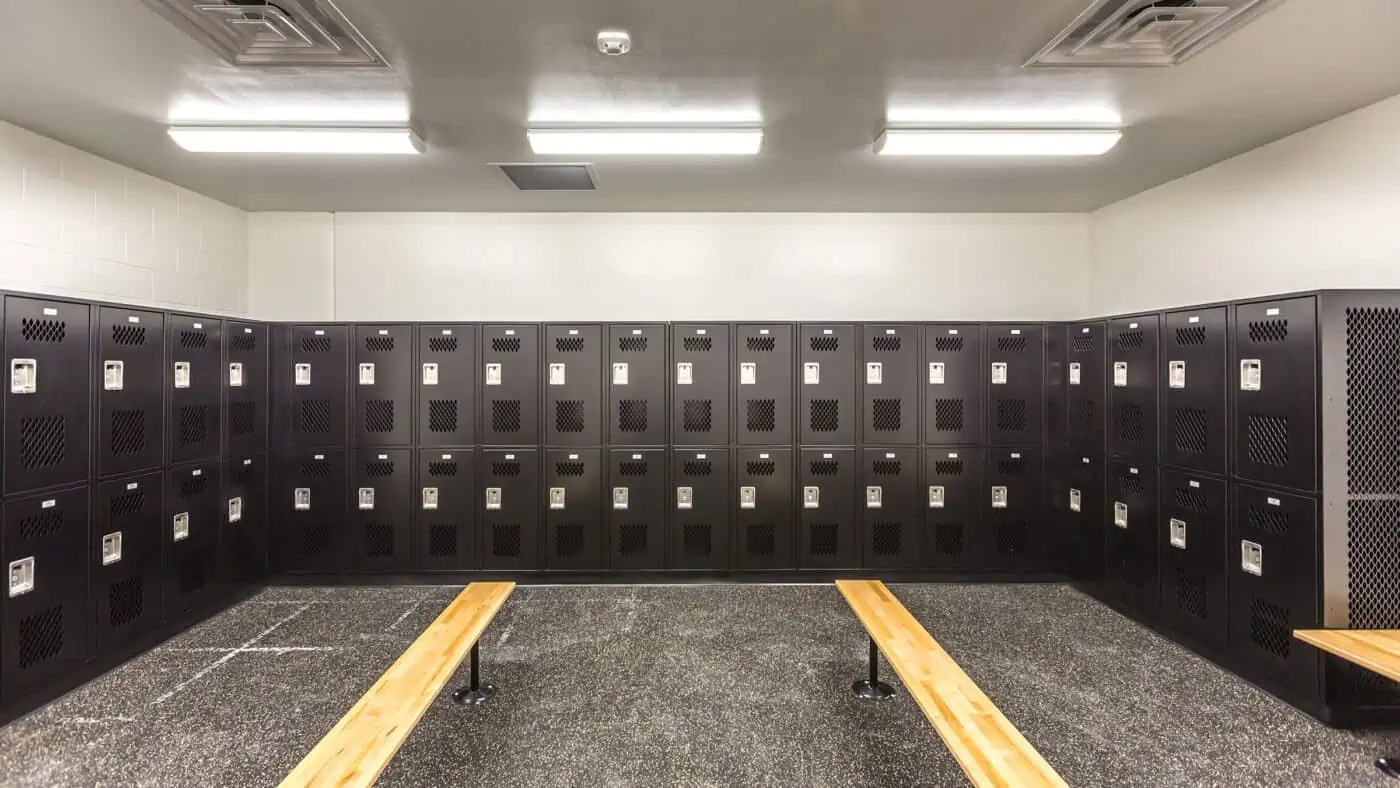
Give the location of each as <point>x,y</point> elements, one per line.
<point>1318,209</point>
<point>388,266</point>
<point>76,225</point>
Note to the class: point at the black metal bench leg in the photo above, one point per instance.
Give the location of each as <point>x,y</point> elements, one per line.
<point>476,693</point>
<point>872,688</point>
<point>1389,766</point>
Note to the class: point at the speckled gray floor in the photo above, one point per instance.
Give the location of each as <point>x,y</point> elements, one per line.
<point>680,685</point>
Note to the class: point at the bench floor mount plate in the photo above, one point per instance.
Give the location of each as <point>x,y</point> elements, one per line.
<point>873,688</point>
<point>475,693</point>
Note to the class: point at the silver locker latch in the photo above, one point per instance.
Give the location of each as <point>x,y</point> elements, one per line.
<point>1076,501</point>
<point>367,374</point>
<point>430,374</point>
<point>235,375</point>
<point>182,374</point>
<point>366,498</point>
<point>811,497</point>
<point>874,497</point>
<point>556,497</point>
<point>1120,514</point>
<point>748,374</point>
<point>180,529</point>
<point>620,373</point>
<point>1176,374</point>
<point>493,374</point>
<point>1076,373</point>
<point>112,548</point>
<point>811,373</point>
<point>685,496</point>
<point>1178,533</point>
<point>999,373</point>
<point>430,498</point>
<point>301,499</point>
<point>235,509</point>
<point>21,576</point>
<point>1120,374</point>
<point>748,497</point>
<point>1251,374</point>
<point>937,373</point>
<point>1252,558</point>
<point>685,373</point>
<point>937,495</point>
<point>556,374</point>
<point>24,376</point>
<point>493,498</point>
<point>620,498</point>
<point>874,374</point>
<point>999,497</point>
<point>113,373</point>
<point>302,374</point>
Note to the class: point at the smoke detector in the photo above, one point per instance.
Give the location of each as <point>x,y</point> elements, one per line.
<point>614,42</point>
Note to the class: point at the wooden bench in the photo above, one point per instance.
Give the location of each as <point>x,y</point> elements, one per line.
<point>990,750</point>
<point>1377,650</point>
<point>357,749</point>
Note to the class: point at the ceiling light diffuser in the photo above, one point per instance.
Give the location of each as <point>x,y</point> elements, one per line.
<point>997,142</point>
<point>297,139</point>
<point>645,142</point>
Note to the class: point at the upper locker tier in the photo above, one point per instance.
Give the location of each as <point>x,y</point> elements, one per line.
<point>826,407</point>
<point>890,385</point>
<point>46,407</point>
<point>700,384</point>
<point>128,386</point>
<point>573,385</point>
<point>194,346</point>
<point>1133,390</point>
<point>1275,436</point>
<point>246,351</point>
<point>1085,400</point>
<point>312,382</point>
<point>1015,358</point>
<point>636,398</point>
<point>383,359</point>
<point>763,391</point>
<point>447,384</point>
<point>510,385</point>
<point>1196,423</point>
<point>954,385</point>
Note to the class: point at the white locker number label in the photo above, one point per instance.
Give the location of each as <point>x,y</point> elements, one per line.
<point>1076,373</point>
<point>1251,374</point>
<point>937,373</point>
<point>1176,374</point>
<point>811,374</point>
<point>1120,373</point>
<point>302,374</point>
<point>685,373</point>
<point>999,373</point>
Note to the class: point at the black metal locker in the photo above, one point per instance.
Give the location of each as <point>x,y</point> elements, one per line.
<point>700,385</point>
<point>446,383</point>
<point>243,544</point>
<point>510,493</point>
<point>194,347</point>
<point>380,533</point>
<point>1014,517</point>
<point>129,388</point>
<point>573,501</point>
<point>953,384</point>
<point>573,396</point>
<point>510,385</point>
<point>1082,506</point>
<point>1056,386</point>
<point>47,405</point>
<point>315,383</point>
<point>1085,384</point>
<point>826,402</point>
<point>1193,535</point>
<point>383,381</point>
<point>447,503</point>
<point>124,559</point>
<point>307,512</point>
<point>764,535</point>
<point>1135,375</point>
<point>1015,395</point>
<point>193,512</point>
<point>246,417</point>
<point>889,398</point>
<point>892,507</point>
<point>700,505</point>
<point>1195,350</point>
<point>954,537</point>
<point>43,616</point>
<point>636,412</point>
<point>1276,393</point>
<point>636,536</point>
<point>828,536</point>
<point>763,391</point>
<point>1273,587</point>
<point>1131,564</point>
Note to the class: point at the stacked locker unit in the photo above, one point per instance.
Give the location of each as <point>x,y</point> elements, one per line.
<point>954,535</point>
<point>574,470</point>
<point>379,533</point>
<point>243,541</point>
<point>1079,468</point>
<point>1015,414</point>
<point>765,533</point>
<point>700,470</point>
<point>636,422</point>
<point>446,505</point>
<point>1131,561</point>
<point>827,419</point>
<point>310,381</point>
<point>508,465</point>
<point>892,509</point>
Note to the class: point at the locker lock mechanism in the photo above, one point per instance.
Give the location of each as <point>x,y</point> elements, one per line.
<point>430,498</point>
<point>874,497</point>
<point>366,498</point>
<point>235,375</point>
<point>1178,533</point>
<point>556,497</point>
<point>301,499</point>
<point>1076,373</point>
<point>24,376</point>
<point>999,373</point>
<point>1176,374</point>
<point>1252,558</point>
<point>235,510</point>
<point>1251,374</point>
<point>999,497</point>
<point>180,529</point>
<point>430,374</point>
<point>113,375</point>
<point>937,496</point>
<point>182,374</point>
<point>1120,514</point>
<point>493,498</point>
<point>1076,501</point>
<point>685,497</point>
<point>748,497</point>
<point>302,374</point>
<point>620,495</point>
<point>366,374</point>
<point>811,497</point>
<point>21,577</point>
<point>112,548</point>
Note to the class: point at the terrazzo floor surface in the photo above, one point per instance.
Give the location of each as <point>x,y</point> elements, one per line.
<point>677,685</point>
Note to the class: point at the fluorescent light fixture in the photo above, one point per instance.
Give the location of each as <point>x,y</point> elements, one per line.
<point>997,142</point>
<point>297,139</point>
<point>909,114</point>
<point>645,142</point>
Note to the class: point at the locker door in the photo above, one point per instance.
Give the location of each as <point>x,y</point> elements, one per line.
<point>446,382</point>
<point>124,559</point>
<point>1084,532</point>
<point>890,384</point>
<point>1017,388</point>
<point>194,346</point>
<point>637,507</point>
<point>1195,431</point>
<point>381,510</point>
<point>700,504</point>
<point>892,509</point>
<point>953,493</point>
<point>826,408</point>
<point>308,510</point>
<point>130,397</point>
<point>316,382</point>
<point>573,499</point>
<point>700,385</point>
<point>44,613</point>
<point>764,536</point>
<point>953,382</point>
<point>763,378</point>
<point>246,377</point>
<point>637,385</point>
<point>573,386</point>
<point>510,515</point>
<point>1193,536</point>
<point>46,407</point>
<point>447,503</point>
<point>243,544</point>
<point>1131,520</point>
<point>1276,393</point>
<point>193,510</point>
<point>1273,586</point>
<point>1134,378</point>
<point>828,537</point>
<point>1014,515</point>
<point>1056,385</point>
<point>510,385</point>
<point>1085,383</point>
<point>383,381</point>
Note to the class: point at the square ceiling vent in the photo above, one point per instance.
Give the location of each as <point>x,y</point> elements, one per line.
<point>295,33</point>
<point>1121,33</point>
<point>550,177</point>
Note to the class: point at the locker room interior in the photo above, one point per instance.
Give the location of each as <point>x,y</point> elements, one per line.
<point>654,371</point>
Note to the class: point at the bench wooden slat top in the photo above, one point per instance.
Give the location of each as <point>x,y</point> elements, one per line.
<point>1376,650</point>
<point>991,751</point>
<point>359,747</point>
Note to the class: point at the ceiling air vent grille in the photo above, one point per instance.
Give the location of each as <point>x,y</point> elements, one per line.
<point>297,33</point>
<point>1147,32</point>
<point>550,177</point>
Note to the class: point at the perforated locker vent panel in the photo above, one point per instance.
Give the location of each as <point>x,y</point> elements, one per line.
<point>632,416</point>
<point>1373,563</point>
<point>1267,440</point>
<point>886,415</point>
<point>1190,431</point>
<point>442,416</point>
<point>511,380</point>
<point>569,416</point>
<point>43,331</point>
<point>1373,401</point>
<point>127,335</point>
<point>193,425</point>
<point>1130,425</point>
<point>46,430</point>
<point>242,419</point>
<point>1193,336</point>
<point>506,417</point>
<point>1264,331</point>
<point>1270,628</point>
<point>445,382</point>
<point>1012,344</point>
<point>313,417</point>
<point>442,540</point>
<point>1190,500</point>
<point>316,344</point>
<point>760,415</point>
<point>126,432</point>
<point>241,343</point>
<point>505,344</point>
<point>43,442</point>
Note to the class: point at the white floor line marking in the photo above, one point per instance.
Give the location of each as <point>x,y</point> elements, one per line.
<point>405,615</point>
<point>253,650</point>
<point>225,658</point>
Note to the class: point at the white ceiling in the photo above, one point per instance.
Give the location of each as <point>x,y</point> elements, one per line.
<point>107,76</point>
